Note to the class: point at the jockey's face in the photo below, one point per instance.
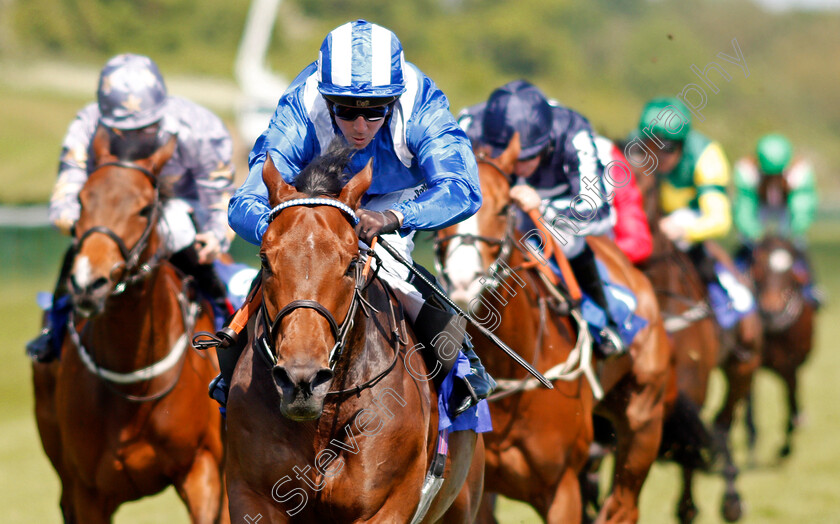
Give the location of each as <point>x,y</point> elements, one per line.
<point>358,125</point>
<point>130,144</point>
<point>527,166</point>
<point>668,157</point>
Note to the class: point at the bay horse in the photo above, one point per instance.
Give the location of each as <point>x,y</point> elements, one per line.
<point>124,412</point>
<point>541,438</point>
<point>788,322</point>
<point>323,424</point>
<point>699,347</point>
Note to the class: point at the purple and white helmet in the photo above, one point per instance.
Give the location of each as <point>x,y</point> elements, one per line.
<point>361,60</point>
<point>131,92</point>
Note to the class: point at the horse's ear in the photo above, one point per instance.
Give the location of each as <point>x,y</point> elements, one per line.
<point>278,189</point>
<point>357,186</point>
<point>102,146</point>
<point>507,160</point>
<point>160,157</point>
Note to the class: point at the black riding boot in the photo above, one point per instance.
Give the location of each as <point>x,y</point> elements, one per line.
<point>704,263</point>
<point>205,276</point>
<point>586,272</point>
<point>47,345</point>
<point>442,334</point>
<point>228,352</point>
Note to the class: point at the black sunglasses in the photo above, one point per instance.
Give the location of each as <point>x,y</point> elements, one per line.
<point>371,114</point>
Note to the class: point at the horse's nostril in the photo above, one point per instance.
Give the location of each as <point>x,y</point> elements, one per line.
<point>99,283</point>
<point>321,377</point>
<point>289,381</point>
<point>282,378</point>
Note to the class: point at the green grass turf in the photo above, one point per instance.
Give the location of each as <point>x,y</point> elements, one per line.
<point>802,489</point>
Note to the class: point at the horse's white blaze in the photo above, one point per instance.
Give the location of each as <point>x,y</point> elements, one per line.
<point>780,260</point>
<point>82,272</point>
<point>463,261</point>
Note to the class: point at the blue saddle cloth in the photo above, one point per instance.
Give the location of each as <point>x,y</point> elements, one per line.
<point>477,418</point>
<point>621,303</point>
<point>730,300</point>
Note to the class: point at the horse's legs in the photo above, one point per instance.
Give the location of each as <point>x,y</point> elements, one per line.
<point>566,504</point>
<point>200,488</point>
<point>43,379</point>
<point>749,422</point>
<point>687,510</point>
<point>739,369</point>
<point>89,507</point>
<point>793,410</point>
<point>638,426</point>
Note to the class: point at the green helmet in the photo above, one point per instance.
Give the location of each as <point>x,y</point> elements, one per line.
<point>666,118</point>
<point>773,153</point>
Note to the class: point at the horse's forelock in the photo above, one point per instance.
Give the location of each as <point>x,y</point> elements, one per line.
<point>326,174</point>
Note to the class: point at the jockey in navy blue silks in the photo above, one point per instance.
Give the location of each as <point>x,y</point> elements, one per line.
<point>362,91</point>
<point>558,172</point>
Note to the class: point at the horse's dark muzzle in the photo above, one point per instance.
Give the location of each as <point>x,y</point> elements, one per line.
<point>302,390</point>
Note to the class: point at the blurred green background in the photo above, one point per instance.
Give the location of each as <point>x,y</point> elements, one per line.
<point>603,58</point>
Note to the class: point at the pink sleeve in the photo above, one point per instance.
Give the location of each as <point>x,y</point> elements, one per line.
<point>632,233</point>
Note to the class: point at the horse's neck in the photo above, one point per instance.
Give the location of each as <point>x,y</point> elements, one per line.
<point>140,325</point>
<point>512,312</point>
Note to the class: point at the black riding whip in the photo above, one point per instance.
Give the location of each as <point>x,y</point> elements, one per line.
<point>486,332</point>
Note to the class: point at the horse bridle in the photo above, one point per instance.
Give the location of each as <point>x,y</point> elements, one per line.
<point>506,243</point>
<point>131,256</point>
<point>339,331</point>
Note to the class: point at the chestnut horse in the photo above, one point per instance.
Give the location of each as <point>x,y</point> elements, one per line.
<point>124,412</point>
<point>699,346</point>
<point>540,439</point>
<point>320,384</point>
<point>788,320</point>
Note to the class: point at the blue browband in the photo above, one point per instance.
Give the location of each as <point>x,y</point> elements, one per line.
<point>314,202</point>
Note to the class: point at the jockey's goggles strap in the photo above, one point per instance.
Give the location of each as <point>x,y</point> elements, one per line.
<point>314,202</point>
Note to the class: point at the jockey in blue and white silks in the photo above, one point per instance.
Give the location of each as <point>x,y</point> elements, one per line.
<point>363,92</point>
<point>422,149</point>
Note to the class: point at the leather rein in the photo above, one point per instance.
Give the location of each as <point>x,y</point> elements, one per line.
<point>340,331</point>
<point>134,271</point>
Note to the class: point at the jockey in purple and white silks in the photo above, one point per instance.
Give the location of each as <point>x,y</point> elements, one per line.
<point>134,106</point>
<point>558,173</point>
<point>362,91</point>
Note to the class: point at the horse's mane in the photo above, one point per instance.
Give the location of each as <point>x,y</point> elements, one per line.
<point>326,174</point>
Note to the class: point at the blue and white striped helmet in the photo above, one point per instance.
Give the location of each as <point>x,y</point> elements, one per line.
<point>361,60</point>
<point>131,92</point>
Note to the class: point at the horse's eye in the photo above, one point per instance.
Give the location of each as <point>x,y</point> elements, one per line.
<point>504,210</point>
<point>146,212</point>
<point>351,269</point>
<point>264,263</point>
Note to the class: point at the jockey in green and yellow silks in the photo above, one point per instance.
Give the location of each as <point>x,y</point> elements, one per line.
<point>774,186</point>
<point>693,173</point>
<point>776,191</point>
